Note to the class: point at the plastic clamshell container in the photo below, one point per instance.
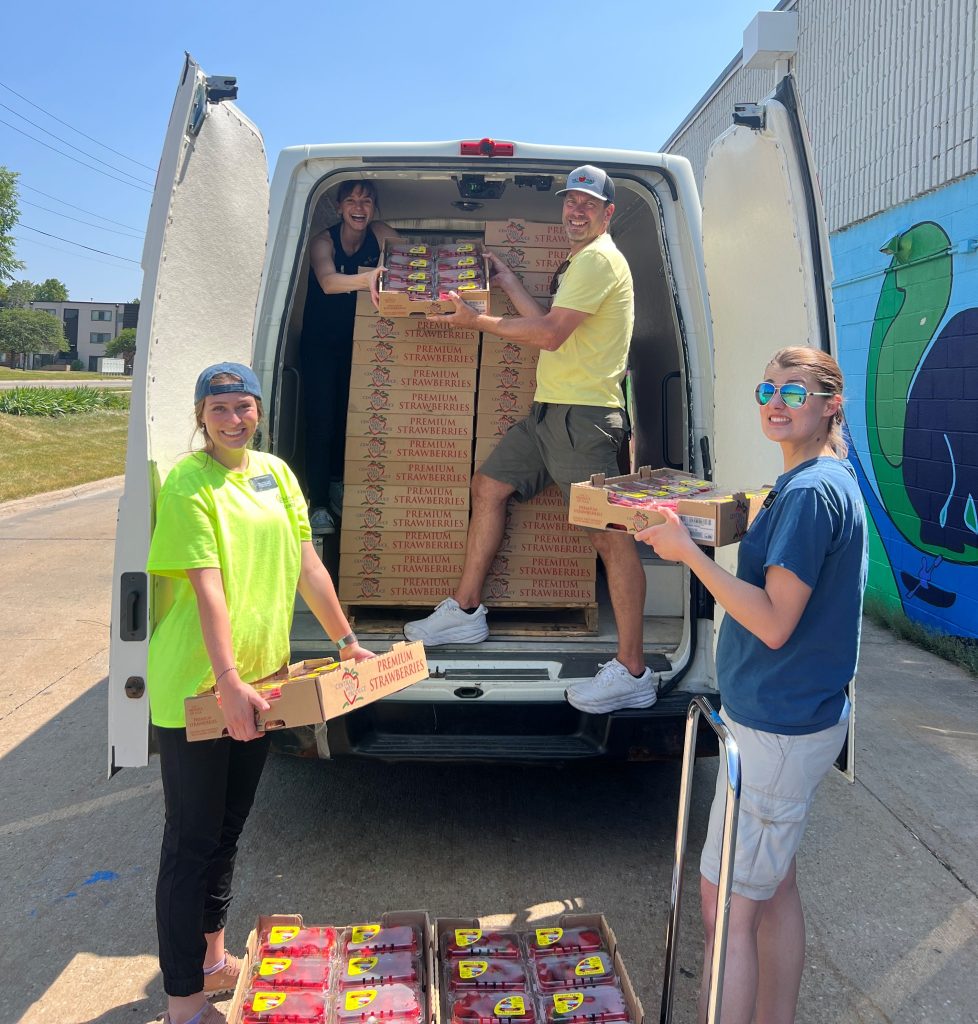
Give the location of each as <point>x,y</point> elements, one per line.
<point>307,972</point>
<point>474,942</point>
<point>596,1003</point>
<point>379,969</point>
<point>572,970</point>
<point>546,941</point>
<point>270,1006</point>
<point>293,940</point>
<point>366,939</point>
<point>485,973</point>
<point>494,1008</point>
<point>400,1003</point>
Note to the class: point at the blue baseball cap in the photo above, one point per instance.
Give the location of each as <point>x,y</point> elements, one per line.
<point>248,384</point>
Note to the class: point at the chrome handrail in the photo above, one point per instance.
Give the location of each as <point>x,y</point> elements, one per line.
<point>700,705</point>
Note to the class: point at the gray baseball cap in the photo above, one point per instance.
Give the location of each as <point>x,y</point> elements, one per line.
<point>592,180</point>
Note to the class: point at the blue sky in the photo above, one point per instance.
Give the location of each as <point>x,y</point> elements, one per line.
<point>620,74</point>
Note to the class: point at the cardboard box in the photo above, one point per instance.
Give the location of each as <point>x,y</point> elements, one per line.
<point>381,471</point>
<point>445,926</point>
<point>516,231</point>
<point>399,303</point>
<point>713,518</point>
<point>532,519</point>
<point>415,353</point>
<point>572,542</point>
<point>429,425</point>
<point>414,378</point>
<point>426,590</point>
<point>497,424</point>
<point>361,541</point>
<point>540,260</point>
<point>408,565</point>
<point>384,328</point>
<point>314,691</point>
<point>537,283</point>
<point>545,567</point>
<point>501,305</point>
<point>452,403</point>
<point>380,447</point>
<point>506,376</point>
<point>496,402</point>
<point>386,518</point>
<point>499,352</point>
<point>431,496</point>
<point>415,918</point>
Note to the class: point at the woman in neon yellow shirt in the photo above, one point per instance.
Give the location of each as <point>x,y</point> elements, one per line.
<point>232,537</point>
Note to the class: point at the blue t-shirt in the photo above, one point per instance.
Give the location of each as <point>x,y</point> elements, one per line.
<point>816,528</point>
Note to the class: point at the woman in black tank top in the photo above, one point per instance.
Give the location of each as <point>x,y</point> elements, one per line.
<point>336,257</point>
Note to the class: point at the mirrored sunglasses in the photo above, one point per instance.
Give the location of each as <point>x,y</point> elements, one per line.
<point>794,396</point>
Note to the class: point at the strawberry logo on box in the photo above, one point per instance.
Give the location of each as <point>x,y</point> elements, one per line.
<point>383,352</point>
<point>380,376</point>
<point>508,377</point>
<point>351,687</point>
<point>377,424</point>
<point>500,565</point>
<point>379,400</point>
<point>369,564</point>
<point>369,587</point>
<point>370,540</point>
<point>515,232</point>
<point>375,471</point>
<point>498,587</point>
<point>506,401</point>
<point>376,446</point>
<point>504,423</point>
<point>374,494</point>
<point>515,259</point>
<point>372,517</point>
<point>512,354</point>
<point>383,328</point>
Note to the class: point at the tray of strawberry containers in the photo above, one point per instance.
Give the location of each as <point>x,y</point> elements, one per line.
<point>418,276</point>
<point>568,973</point>
<point>369,973</point>
<point>713,515</point>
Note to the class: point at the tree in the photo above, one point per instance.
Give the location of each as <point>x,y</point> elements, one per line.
<point>9,215</point>
<point>51,290</point>
<point>20,293</point>
<point>29,331</point>
<point>123,344</point>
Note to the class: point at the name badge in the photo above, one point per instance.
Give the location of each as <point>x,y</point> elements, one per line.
<point>263,483</point>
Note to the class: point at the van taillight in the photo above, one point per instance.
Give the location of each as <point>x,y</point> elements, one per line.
<point>486,147</point>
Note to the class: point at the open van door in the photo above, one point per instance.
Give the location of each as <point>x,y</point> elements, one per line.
<point>202,263</point>
<point>769,273</point>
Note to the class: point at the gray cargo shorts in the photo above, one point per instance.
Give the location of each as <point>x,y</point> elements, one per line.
<point>563,444</point>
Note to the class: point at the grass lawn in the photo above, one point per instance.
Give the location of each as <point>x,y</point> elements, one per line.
<point>41,453</point>
<point>8,373</point>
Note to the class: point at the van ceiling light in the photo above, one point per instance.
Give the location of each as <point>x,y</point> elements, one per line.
<point>475,186</point>
<point>468,205</point>
<point>486,147</point>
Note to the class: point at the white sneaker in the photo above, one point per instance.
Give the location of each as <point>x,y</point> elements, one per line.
<point>612,689</point>
<point>448,624</point>
<point>320,521</point>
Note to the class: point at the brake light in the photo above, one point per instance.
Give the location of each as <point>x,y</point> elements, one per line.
<point>486,147</point>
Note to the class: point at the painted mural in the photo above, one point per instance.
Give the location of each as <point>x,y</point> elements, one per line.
<point>906,297</point>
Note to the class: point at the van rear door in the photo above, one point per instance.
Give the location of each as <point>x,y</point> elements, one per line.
<point>202,265</point>
<point>769,274</point>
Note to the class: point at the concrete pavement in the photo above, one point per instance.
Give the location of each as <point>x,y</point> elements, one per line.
<point>888,868</point>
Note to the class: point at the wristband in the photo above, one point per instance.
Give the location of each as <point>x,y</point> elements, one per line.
<point>230,668</point>
<point>347,641</point>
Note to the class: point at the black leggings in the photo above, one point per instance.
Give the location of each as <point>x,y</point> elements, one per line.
<point>208,789</point>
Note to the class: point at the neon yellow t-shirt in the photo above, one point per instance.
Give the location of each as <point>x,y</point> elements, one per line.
<point>588,368</point>
<point>248,524</point>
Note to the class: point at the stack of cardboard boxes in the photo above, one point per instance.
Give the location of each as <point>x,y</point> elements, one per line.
<point>416,387</point>
<point>408,459</point>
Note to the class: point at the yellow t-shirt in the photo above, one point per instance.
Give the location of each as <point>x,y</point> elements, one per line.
<point>248,524</point>
<point>588,368</point>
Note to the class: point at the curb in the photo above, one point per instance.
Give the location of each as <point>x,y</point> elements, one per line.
<point>34,501</point>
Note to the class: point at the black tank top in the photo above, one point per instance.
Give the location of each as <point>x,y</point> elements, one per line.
<point>333,314</point>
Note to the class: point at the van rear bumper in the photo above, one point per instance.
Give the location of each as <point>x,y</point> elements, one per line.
<point>517,733</point>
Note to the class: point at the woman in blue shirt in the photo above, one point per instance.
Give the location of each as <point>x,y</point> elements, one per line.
<point>787,650</point>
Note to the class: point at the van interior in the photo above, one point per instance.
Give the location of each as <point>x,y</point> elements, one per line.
<point>448,203</point>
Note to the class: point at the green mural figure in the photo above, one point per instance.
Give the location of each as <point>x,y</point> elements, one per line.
<point>921,427</point>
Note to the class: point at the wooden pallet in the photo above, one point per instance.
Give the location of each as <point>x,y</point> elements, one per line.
<point>504,620</point>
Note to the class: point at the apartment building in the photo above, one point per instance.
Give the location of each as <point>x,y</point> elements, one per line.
<point>88,326</point>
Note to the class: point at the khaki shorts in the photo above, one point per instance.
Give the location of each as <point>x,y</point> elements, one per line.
<point>779,776</point>
<point>563,444</point>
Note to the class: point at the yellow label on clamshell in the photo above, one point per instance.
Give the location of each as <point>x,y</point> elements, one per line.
<point>589,965</point>
<point>360,965</point>
<point>357,998</point>
<point>419,250</point>
<point>465,261</point>
<point>363,932</point>
<point>549,936</point>
<point>472,968</point>
<point>272,965</point>
<point>262,1001</point>
<point>510,1006</point>
<point>467,936</point>
<point>282,933</point>
<point>567,1002</point>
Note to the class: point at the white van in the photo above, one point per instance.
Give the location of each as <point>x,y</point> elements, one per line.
<point>716,292</point>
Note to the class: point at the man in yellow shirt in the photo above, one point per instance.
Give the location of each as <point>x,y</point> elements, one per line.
<point>574,429</point>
